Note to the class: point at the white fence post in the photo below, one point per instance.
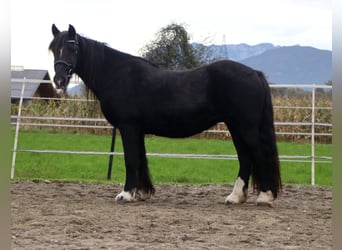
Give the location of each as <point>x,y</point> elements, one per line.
<point>313,137</point>
<point>17,128</point>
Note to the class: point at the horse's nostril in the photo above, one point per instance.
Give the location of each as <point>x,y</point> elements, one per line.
<point>59,81</point>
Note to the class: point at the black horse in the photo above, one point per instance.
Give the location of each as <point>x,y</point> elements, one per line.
<point>139,98</point>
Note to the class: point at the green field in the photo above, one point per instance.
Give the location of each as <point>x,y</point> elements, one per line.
<point>93,168</point>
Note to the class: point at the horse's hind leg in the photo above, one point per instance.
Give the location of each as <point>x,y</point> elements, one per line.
<point>252,158</point>
<point>240,190</point>
<point>138,185</point>
<point>261,167</point>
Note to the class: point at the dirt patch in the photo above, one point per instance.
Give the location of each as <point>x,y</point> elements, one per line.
<point>62,215</point>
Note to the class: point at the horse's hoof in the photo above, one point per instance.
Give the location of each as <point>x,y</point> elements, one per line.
<point>235,199</point>
<point>143,195</point>
<point>133,196</point>
<point>265,199</point>
<point>238,195</point>
<point>125,197</point>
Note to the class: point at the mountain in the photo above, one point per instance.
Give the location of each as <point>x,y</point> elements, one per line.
<point>236,52</point>
<point>291,64</point>
<point>294,65</point>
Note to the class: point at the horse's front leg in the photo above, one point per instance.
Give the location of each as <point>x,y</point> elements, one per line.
<point>135,188</point>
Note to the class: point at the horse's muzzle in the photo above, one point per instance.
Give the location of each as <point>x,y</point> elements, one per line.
<point>61,83</point>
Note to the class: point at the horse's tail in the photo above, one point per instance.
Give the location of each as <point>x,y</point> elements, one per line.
<point>271,166</point>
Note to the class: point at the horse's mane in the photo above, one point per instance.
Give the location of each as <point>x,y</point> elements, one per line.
<point>94,52</point>
<point>147,61</point>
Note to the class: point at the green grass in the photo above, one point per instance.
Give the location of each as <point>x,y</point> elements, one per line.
<point>93,168</point>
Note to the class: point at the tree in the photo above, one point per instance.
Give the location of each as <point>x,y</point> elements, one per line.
<point>171,49</point>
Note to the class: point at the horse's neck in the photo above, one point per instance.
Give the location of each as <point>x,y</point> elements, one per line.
<point>90,65</point>
<point>94,65</point>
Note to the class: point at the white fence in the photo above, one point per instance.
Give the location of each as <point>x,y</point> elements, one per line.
<point>18,120</point>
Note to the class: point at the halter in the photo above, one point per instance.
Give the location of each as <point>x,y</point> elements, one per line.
<point>69,66</point>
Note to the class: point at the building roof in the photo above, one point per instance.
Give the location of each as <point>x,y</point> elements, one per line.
<point>30,87</point>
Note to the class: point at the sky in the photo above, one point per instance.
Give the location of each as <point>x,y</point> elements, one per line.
<point>128,25</point>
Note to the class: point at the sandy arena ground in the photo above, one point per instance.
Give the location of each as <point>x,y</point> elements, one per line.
<point>62,215</point>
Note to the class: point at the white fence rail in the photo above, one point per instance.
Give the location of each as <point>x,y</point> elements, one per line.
<point>18,121</point>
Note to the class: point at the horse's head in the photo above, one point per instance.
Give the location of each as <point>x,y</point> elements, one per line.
<point>65,48</point>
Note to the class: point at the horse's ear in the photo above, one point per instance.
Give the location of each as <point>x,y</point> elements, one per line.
<point>71,32</point>
<point>55,30</point>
